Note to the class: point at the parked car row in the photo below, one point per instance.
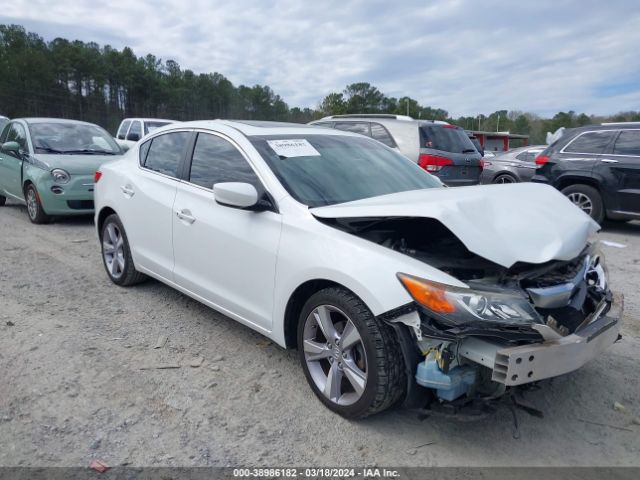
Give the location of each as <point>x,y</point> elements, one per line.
<point>393,289</point>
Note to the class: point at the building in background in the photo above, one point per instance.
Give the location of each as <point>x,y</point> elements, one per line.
<point>499,141</point>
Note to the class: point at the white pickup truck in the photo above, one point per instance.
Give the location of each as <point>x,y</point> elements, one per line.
<point>133,129</point>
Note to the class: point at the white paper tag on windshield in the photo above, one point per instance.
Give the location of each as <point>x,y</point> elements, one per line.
<point>293,148</point>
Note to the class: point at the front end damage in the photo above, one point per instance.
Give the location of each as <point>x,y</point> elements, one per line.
<point>512,327</point>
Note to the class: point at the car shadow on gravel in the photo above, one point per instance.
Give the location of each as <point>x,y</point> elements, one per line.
<point>632,227</point>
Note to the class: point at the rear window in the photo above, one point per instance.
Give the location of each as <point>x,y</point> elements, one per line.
<point>590,142</point>
<point>447,138</point>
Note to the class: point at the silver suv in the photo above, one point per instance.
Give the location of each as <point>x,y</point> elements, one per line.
<point>442,149</point>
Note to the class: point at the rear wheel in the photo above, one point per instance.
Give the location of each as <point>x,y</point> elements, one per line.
<point>587,199</point>
<point>35,211</point>
<point>505,178</point>
<point>352,362</point>
<point>116,254</point>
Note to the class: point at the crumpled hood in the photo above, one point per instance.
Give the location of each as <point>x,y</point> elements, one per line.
<point>522,222</point>
<point>74,164</point>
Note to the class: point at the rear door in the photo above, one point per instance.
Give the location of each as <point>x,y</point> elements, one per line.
<point>149,196</point>
<point>225,255</point>
<point>622,168</point>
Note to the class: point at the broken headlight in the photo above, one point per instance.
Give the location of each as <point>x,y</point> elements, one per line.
<point>462,305</point>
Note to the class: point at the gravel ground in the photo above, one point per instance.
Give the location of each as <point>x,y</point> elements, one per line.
<point>74,382</point>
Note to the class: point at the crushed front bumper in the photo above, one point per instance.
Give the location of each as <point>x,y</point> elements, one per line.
<point>529,363</point>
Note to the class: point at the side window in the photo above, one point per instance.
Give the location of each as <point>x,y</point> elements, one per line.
<point>136,129</point>
<point>382,135</point>
<point>525,156</point>
<point>628,143</point>
<point>590,142</point>
<point>323,124</point>
<point>355,127</point>
<point>17,134</point>
<point>215,160</point>
<point>144,150</point>
<point>122,131</point>
<point>5,132</point>
<point>165,152</point>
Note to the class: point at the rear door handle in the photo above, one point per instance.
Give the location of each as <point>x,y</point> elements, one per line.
<point>127,190</point>
<point>186,216</point>
<point>609,160</point>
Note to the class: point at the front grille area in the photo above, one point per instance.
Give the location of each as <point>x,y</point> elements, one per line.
<point>562,274</point>
<point>80,204</point>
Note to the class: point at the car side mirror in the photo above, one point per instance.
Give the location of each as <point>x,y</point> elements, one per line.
<point>11,147</point>
<point>235,194</point>
<point>133,137</point>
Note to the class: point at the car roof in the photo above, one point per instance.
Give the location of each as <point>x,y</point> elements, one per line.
<point>254,128</point>
<point>32,120</point>
<point>606,126</point>
<point>150,119</point>
<point>381,117</point>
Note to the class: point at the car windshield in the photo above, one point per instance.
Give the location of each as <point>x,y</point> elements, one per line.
<point>71,138</point>
<point>152,126</point>
<point>447,138</point>
<point>319,170</point>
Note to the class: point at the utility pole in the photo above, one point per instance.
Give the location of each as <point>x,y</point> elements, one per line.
<point>407,106</point>
<point>498,124</point>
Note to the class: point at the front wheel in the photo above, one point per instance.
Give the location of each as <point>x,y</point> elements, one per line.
<point>116,254</point>
<point>35,211</point>
<point>352,362</point>
<point>587,199</point>
<point>3,200</point>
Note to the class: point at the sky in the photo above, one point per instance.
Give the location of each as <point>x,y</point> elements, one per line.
<point>467,57</point>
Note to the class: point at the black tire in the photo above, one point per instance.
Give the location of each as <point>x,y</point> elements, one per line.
<point>504,178</point>
<point>581,191</point>
<point>3,200</point>
<point>35,211</point>
<point>123,273</point>
<point>385,370</point>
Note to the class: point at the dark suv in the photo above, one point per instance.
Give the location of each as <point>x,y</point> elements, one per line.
<point>598,168</point>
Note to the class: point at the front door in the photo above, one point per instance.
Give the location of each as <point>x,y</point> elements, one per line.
<point>225,255</point>
<point>11,163</point>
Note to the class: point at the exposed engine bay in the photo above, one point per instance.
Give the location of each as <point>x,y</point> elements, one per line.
<point>513,326</point>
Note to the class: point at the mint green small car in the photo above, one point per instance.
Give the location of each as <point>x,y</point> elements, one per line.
<point>49,164</point>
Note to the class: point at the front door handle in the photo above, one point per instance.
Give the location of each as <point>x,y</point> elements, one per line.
<point>186,216</point>
<point>609,160</point>
<point>127,190</point>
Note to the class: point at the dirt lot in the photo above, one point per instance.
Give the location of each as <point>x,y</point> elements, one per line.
<point>73,383</point>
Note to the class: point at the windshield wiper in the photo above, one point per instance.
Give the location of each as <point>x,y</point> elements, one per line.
<point>469,150</point>
<point>89,152</point>
<point>48,149</point>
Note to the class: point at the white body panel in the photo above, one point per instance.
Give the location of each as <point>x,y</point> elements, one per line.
<point>248,264</point>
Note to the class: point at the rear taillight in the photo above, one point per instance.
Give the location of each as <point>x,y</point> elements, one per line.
<point>481,164</point>
<point>433,163</point>
<point>541,160</point>
<point>97,176</point>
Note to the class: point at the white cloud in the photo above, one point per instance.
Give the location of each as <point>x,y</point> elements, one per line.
<point>465,56</point>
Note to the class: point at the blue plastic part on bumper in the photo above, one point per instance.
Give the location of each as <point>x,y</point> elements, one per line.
<point>448,386</point>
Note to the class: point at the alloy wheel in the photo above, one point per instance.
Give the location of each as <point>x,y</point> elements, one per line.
<point>113,250</point>
<point>32,203</point>
<point>581,201</point>
<point>335,355</point>
<point>505,179</point>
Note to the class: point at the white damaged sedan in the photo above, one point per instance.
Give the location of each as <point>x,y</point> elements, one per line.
<point>393,288</point>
